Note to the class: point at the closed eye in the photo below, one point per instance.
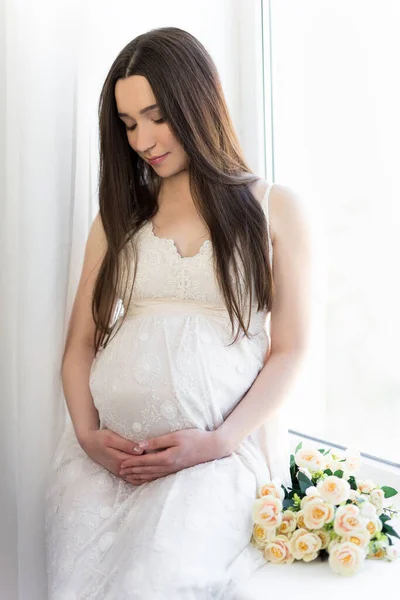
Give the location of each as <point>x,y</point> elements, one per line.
<point>158,121</point>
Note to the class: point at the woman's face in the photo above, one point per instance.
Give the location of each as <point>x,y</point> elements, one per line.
<point>147,133</point>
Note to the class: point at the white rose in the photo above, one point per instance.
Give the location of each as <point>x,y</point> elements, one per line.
<point>310,458</point>
<point>348,519</point>
<point>346,558</point>
<point>277,551</point>
<point>368,510</point>
<point>353,461</point>
<point>392,553</point>
<point>305,545</point>
<point>376,498</point>
<point>317,514</point>
<point>267,512</point>
<point>334,490</point>
<point>333,461</point>
<point>365,485</point>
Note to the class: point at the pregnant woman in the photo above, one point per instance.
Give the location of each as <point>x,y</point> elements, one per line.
<point>188,327</point>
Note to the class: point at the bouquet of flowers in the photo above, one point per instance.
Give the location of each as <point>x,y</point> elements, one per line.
<point>327,513</point>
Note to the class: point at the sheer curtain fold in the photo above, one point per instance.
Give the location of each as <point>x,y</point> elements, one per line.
<point>45,198</point>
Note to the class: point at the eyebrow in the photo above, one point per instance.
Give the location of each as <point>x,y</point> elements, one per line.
<point>142,111</point>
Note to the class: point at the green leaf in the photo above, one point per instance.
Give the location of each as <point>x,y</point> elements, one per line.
<point>352,482</point>
<point>389,529</point>
<point>389,491</point>
<point>286,503</point>
<point>304,482</point>
<point>300,445</point>
<point>338,473</point>
<point>327,452</point>
<point>384,518</point>
<point>292,461</point>
<point>322,450</point>
<point>328,472</point>
<point>390,541</point>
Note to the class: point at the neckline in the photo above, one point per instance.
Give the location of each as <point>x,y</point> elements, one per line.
<point>171,243</point>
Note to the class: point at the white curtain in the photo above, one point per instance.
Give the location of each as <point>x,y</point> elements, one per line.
<point>46,210</point>
<point>54,56</point>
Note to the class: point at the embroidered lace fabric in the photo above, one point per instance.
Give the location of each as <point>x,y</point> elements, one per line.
<point>185,536</point>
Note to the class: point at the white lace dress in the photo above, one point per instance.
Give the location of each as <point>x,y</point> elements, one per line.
<point>185,536</point>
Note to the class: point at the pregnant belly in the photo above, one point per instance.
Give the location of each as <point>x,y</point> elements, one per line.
<point>160,375</point>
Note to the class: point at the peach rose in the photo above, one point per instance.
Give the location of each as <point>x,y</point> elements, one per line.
<point>348,519</point>
<point>360,538</point>
<point>272,489</point>
<point>317,513</point>
<point>346,558</point>
<point>353,461</point>
<point>289,523</point>
<point>277,551</point>
<point>310,458</point>
<point>304,545</point>
<point>267,512</point>
<point>334,490</point>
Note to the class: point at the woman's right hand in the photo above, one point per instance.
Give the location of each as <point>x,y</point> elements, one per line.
<point>108,449</point>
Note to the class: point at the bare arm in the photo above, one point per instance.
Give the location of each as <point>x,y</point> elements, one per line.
<point>290,319</point>
<point>79,347</point>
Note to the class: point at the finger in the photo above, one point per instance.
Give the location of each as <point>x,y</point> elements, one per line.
<point>160,443</point>
<point>143,470</point>
<point>137,480</point>
<point>113,440</point>
<point>119,455</point>
<point>147,460</point>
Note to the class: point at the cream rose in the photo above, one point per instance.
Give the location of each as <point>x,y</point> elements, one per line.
<point>272,489</point>
<point>376,498</point>
<point>317,513</point>
<point>360,538</point>
<point>374,526</point>
<point>324,536</point>
<point>277,551</point>
<point>348,519</point>
<point>367,509</point>
<point>260,535</point>
<point>310,458</point>
<point>305,545</point>
<point>346,558</point>
<point>267,512</point>
<point>289,523</point>
<point>334,490</point>
<point>365,485</point>
<point>300,519</point>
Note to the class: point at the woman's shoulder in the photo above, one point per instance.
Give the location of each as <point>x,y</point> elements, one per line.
<point>282,205</point>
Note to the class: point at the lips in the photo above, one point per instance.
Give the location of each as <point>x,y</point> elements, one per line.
<point>158,159</point>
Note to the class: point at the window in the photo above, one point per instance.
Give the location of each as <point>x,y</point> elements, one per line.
<point>332,132</point>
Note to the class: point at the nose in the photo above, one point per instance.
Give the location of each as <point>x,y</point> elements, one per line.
<point>144,139</point>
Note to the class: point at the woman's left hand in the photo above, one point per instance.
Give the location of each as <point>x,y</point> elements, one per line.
<point>173,452</point>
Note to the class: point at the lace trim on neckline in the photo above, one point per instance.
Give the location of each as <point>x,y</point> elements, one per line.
<point>204,248</point>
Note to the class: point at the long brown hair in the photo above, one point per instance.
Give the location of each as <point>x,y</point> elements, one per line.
<point>185,82</point>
